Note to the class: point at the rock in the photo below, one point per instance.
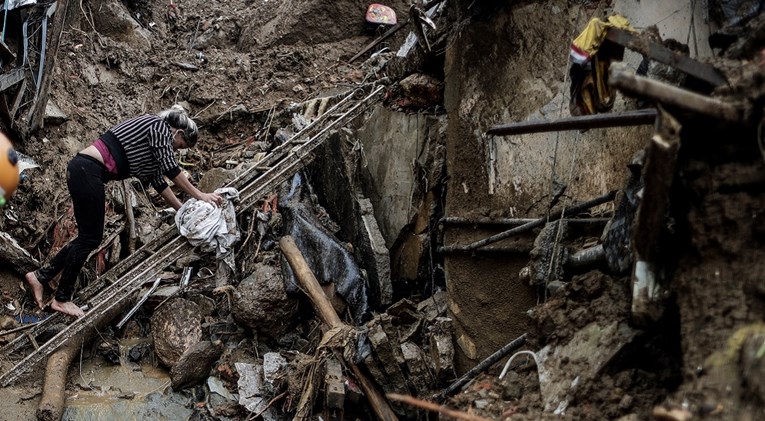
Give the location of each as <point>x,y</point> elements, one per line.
<point>334,385</point>
<point>511,387</point>
<point>175,328</point>
<point>261,303</point>
<point>194,365</point>
<point>113,20</point>
<point>273,369</point>
<point>421,90</point>
<point>53,114</point>
<point>215,178</point>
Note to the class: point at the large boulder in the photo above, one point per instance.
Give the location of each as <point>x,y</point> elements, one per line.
<point>175,327</point>
<point>261,303</point>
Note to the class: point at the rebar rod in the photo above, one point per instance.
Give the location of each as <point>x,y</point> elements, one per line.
<point>573,210</point>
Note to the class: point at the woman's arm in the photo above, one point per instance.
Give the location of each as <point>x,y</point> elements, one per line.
<point>181,181</point>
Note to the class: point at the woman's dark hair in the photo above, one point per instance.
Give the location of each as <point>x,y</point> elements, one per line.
<point>177,118</point>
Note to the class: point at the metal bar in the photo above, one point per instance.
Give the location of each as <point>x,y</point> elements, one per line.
<point>596,121</point>
<point>43,48</point>
<point>457,220</point>
<point>522,249</point>
<point>625,80</point>
<point>140,303</point>
<point>664,55</point>
<point>485,364</point>
<point>573,210</point>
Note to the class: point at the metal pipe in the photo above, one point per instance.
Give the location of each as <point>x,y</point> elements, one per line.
<point>595,121</point>
<point>531,225</point>
<point>458,220</point>
<point>485,364</point>
<point>587,257</point>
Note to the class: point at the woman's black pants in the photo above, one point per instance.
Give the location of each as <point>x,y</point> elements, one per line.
<point>85,177</point>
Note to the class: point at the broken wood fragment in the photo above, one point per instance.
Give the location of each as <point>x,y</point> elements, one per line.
<point>326,312</point>
<point>435,407</point>
<point>634,85</point>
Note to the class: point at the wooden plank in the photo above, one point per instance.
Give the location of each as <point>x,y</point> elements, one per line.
<point>664,55</point>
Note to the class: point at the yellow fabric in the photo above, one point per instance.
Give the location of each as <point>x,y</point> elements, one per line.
<point>594,33</point>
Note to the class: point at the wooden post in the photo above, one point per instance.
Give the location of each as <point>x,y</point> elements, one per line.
<point>311,287</point>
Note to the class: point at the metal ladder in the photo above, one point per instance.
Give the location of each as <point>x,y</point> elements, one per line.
<point>147,262</point>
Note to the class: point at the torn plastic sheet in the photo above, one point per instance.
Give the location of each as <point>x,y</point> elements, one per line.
<point>329,260</point>
<point>12,4</point>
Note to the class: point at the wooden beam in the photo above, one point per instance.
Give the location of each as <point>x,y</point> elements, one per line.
<point>628,82</point>
<point>662,54</point>
<point>327,313</point>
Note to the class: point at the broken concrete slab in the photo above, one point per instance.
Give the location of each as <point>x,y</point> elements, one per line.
<point>378,261</point>
<point>389,358</point>
<point>419,375</point>
<point>441,348</point>
<point>273,369</point>
<point>333,383</point>
<point>53,114</point>
<point>251,391</point>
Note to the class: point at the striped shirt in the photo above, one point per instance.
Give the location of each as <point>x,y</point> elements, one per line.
<point>142,147</point>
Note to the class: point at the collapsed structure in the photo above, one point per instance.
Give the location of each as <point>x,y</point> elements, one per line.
<point>376,276</point>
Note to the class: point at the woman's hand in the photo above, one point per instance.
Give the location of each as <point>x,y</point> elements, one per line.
<point>212,198</point>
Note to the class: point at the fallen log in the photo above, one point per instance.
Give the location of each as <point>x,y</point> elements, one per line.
<point>18,258</point>
<point>323,307</point>
<point>53,400</point>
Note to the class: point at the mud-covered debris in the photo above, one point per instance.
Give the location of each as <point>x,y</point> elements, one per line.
<point>420,90</point>
<point>176,327</point>
<point>562,369</point>
<point>194,365</point>
<point>442,348</point>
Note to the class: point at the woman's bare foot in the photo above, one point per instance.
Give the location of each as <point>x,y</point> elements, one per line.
<point>69,308</point>
<point>37,288</point>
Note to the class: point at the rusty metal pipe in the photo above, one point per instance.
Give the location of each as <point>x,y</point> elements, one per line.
<point>573,210</point>
<point>596,121</point>
<point>458,220</point>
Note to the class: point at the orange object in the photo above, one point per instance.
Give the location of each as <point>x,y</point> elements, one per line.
<point>381,15</point>
<point>9,171</point>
